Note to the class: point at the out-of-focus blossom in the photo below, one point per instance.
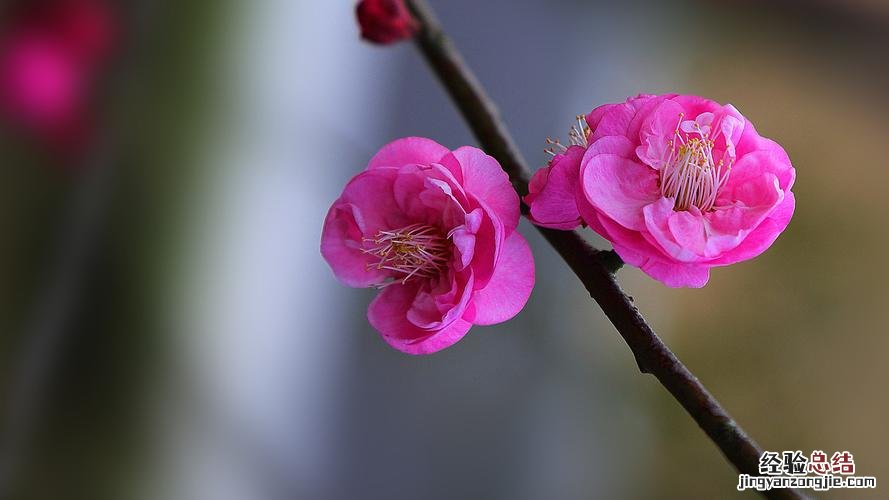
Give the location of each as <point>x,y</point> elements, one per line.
<point>436,230</point>
<point>52,53</point>
<point>385,21</point>
<point>678,184</point>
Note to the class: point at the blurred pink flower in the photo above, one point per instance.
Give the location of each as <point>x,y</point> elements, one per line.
<point>385,21</point>
<point>436,230</point>
<point>678,184</point>
<point>50,54</point>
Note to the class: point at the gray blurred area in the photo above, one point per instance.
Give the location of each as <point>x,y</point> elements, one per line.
<point>218,359</point>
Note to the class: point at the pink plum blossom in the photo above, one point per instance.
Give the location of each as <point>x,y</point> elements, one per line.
<point>678,184</point>
<point>435,230</point>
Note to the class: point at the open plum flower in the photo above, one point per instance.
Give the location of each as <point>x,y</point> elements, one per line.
<point>678,184</point>
<point>436,230</point>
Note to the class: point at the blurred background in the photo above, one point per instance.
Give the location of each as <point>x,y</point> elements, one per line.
<point>169,330</point>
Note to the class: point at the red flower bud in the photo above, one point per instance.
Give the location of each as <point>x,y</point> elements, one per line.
<point>385,21</point>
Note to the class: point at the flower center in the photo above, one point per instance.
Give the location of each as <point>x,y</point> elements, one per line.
<point>418,250</point>
<point>689,173</point>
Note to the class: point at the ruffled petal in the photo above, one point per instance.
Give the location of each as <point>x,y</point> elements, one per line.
<point>728,226</point>
<point>388,315</point>
<point>510,286</point>
<point>429,193</point>
<point>619,188</point>
<point>341,244</point>
<point>757,165</point>
<point>372,193</point>
<point>484,179</point>
<point>553,191</point>
<point>407,151</point>
<point>657,131</point>
<point>366,206</point>
<point>677,275</point>
<point>488,244</point>
<point>763,236</point>
<point>657,222</point>
<point>437,306</point>
<point>464,239</point>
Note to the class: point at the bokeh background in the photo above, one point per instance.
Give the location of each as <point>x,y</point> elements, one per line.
<point>201,349</point>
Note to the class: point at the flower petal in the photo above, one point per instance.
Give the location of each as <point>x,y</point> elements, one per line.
<point>509,288</point>
<point>657,222</point>
<point>757,165</point>
<point>437,306</point>
<point>488,244</point>
<point>388,315</point>
<point>366,206</point>
<point>341,244</point>
<point>656,133</point>
<point>485,179</point>
<point>553,191</point>
<point>619,188</point>
<point>408,150</point>
<point>429,193</point>
<point>763,236</point>
<point>678,275</point>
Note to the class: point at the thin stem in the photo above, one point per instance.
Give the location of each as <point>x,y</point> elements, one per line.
<point>595,268</point>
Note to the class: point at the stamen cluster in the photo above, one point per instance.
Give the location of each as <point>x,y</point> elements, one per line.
<point>578,135</point>
<point>689,173</point>
<point>417,250</point>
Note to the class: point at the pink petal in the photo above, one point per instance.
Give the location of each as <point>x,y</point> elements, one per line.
<point>554,191</point>
<point>611,119</point>
<point>763,236</point>
<point>510,286</point>
<point>757,198</point>
<point>484,179</point>
<point>366,206</point>
<point>438,306</point>
<point>619,188</point>
<point>595,116</point>
<point>372,193</point>
<point>687,229</point>
<point>622,119</point>
<point>429,194</point>
<point>612,144</point>
<point>657,222</point>
<point>463,237</point>
<point>672,274</point>
<point>433,343</point>
<point>632,241</point>
<point>757,165</point>
<point>656,131</point>
<point>341,243</point>
<point>388,315</point>
<point>388,312</point>
<point>488,244</point>
<point>408,150</point>
<point>678,275</point>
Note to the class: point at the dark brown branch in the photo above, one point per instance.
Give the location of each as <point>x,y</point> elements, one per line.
<point>594,268</point>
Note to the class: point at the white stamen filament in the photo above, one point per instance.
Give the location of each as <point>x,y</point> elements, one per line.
<point>689,173</point>
<point>578,135</point>
<point>417,250</point>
